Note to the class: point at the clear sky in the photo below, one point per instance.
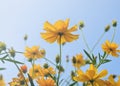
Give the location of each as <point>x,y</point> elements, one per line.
<point>19,17</point>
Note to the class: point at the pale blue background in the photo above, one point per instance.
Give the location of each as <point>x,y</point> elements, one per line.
<point>19,17</point>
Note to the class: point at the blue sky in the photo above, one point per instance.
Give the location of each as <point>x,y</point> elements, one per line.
<point>19,17</point>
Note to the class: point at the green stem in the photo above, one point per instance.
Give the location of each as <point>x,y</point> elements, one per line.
<point>33,62</point>
<point>58,78</point>
<point>18,69</point>
<point>113,36</point>
<point>49,61</point>
<point>97,42</point>
<point>84,39</point>
<point>106,55</point>
<point>21,73</point>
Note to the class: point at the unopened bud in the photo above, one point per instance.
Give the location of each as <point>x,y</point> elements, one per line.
<point>45,65</point>
<point>114,23</point>
<point>57,59</point>
<point>72,74</point>
<point>114,76</point>
<point>25,37</point>
<point>60,68</point>
<point>67,58</point>
<point>2,46</point>
<point>73,60</point>
<point>81,24</point>
<point>24,68</point>
<point>107,28</point>
<point>12,52</point>
<point>42,52</point>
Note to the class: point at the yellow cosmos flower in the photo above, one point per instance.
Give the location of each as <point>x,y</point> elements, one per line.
<point>36,71</point>
<point>59,32</point>
<point>34,52</point>
<point>46,82</point>
<point>49,70</point>
<point>78,61</point>
<point>91,76</point>
<point>110,48</point>
<point>112,82</point>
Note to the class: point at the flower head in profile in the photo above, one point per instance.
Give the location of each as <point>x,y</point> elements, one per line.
<point>59,32</point>
<point>78,61</point>
<point>46,81</point>
<point>112,82</point>
<point>34,52</point>
<point>48,71</point>
<point>110,48</point>
<point>91,76</point>
<point>36,71</point>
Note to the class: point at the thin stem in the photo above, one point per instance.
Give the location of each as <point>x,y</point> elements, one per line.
<point>97,42</point>
<point>33,62</point>
<point>106,55</point>
<point>84,39</point>
<point>18,68</point>
<point>21,73</point>
<point>49,61</point>
<point>113,36</point>
<point>59,63</point>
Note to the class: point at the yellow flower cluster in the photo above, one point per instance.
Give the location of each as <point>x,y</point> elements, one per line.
<point>55,75</point>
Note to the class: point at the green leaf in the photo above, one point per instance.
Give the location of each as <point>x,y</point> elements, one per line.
<point>106,61</point>
<point>2,59</point>
<point>88,55</point>
<point>2,68</point>
<point>99,56</point>
<point>104,55</point>
<point>73,84</point>
<point>4,56</point>
<point>14,61</point>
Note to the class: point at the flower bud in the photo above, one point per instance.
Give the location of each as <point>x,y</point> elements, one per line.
<point>67,58</point>
<point>57,59</point>
<point>72,74</point>
<point>61,68</point>
<point>114,23</point>
<point>2,46</point>
<point>45,65</point>
<point>12,52</point>
<point>42,52</point>
<point>73,60</point>
<point>81,24</point>
<point>24,68</point>
<point>114,76</point>
<point>107,28</point>
<point>25,37</point>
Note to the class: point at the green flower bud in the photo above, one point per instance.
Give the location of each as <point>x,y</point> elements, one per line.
<point>2,46</point>
<point>60,68</point>
<point>12,52</point>
<point>114,23</point>
<point>81,24</point>
<point>72,74</point>
<point>107,28</point>
<point>73,60</point>
<point>25,37</point>
<point>45,65</point>
<point>57,59</point>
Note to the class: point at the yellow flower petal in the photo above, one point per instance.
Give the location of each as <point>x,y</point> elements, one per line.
<point>49,37</point>
<point>101,74</point>
<point>49,27</point>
